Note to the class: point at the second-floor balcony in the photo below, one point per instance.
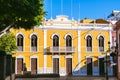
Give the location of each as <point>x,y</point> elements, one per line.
<point>101,49</point>
<point>62,49</point>
<point>89,49</point>
<point>20,48</point>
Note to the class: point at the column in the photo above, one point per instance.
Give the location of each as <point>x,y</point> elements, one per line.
<point>45,51</point>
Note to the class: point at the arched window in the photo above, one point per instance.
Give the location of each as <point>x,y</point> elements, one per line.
<point>68,41</point>
<point>34,42</point>
<point>55,41</point>
<point>89,43</point>
<point>101,43</point>
<point>20,42</point>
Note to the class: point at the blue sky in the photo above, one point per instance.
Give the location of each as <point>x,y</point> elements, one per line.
<point>92,9</point>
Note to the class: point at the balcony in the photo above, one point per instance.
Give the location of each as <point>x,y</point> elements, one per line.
<point>89,49</point>
<point>34,48</point>
<point>101,49</point>
<point>20,48</point>
<point>62,49</point>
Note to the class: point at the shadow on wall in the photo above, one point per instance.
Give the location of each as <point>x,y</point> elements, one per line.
<point>93,68</point>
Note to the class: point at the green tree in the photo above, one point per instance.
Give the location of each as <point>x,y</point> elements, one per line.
<point>8,43</point>
<point>20,13</point>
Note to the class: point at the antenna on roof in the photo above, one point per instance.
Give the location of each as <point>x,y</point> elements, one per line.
<point>61,6</point>
<point>51,9</point>
<point>71,9</point>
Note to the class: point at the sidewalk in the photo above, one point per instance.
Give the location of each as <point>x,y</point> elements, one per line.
<point>69,78</point>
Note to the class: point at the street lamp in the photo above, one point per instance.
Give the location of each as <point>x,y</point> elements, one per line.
<point>114,57</point>
<point>106,61</point>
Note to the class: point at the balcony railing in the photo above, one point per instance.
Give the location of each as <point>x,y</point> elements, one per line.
<point>34,49</point>
<point>89,49</point>
<point>101,49</point>
<point>20,48</point>
<point>62,49</point>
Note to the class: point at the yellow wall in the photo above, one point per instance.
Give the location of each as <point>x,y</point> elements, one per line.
<point>95,53</point>
<point>27,53</point>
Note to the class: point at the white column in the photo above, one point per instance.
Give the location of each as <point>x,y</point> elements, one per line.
<point>79,48</point>
<point>45,46</point>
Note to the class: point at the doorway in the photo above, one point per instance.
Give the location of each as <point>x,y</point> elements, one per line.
<point>56,65</point>
<point>89,66</point>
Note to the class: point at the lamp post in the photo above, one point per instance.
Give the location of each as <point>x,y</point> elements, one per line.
<point>106,61</point>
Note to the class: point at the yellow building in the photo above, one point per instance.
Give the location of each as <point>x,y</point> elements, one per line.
<point>64,47</point>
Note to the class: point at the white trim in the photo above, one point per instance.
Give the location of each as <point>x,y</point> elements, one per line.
<point>68,27</point>
<point>54,35</point>
<point>20,56</point>
<point>20,33</point>
<point>100,35</point>
<point>45,51</point>
<point>34,33</point>
<point>65,38</point>
<point>55,56</point>
<point>35,57</point>
<point>63,74</point>
<point>86,42</point>
<point>89,56</point>
<point>68,56</point>
<point>79,49</point>
<point>88,35</point>
<point>69,35</point>
<point>23,40</point>
<point>98,42</point>
<point>37,41</point>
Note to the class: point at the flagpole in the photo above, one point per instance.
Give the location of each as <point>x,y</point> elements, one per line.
<point>51,9</point>
<point>71,9</point>
<point>61,7</point>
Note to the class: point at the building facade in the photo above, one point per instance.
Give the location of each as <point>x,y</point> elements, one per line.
<point>118,48</point>
<point>64,47</point>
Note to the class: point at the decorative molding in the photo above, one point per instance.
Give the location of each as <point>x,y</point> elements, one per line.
<point>54,35</point>
<point>55,56</point>
<point>68,27</point>
<point>23,40</point>
<point>88,35</point>
<point>21,34</point>
<point>68,56</point>
<point>34,56</point>
<point>101,35</point>
<point>69,35</point>
<point>34,33</point>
